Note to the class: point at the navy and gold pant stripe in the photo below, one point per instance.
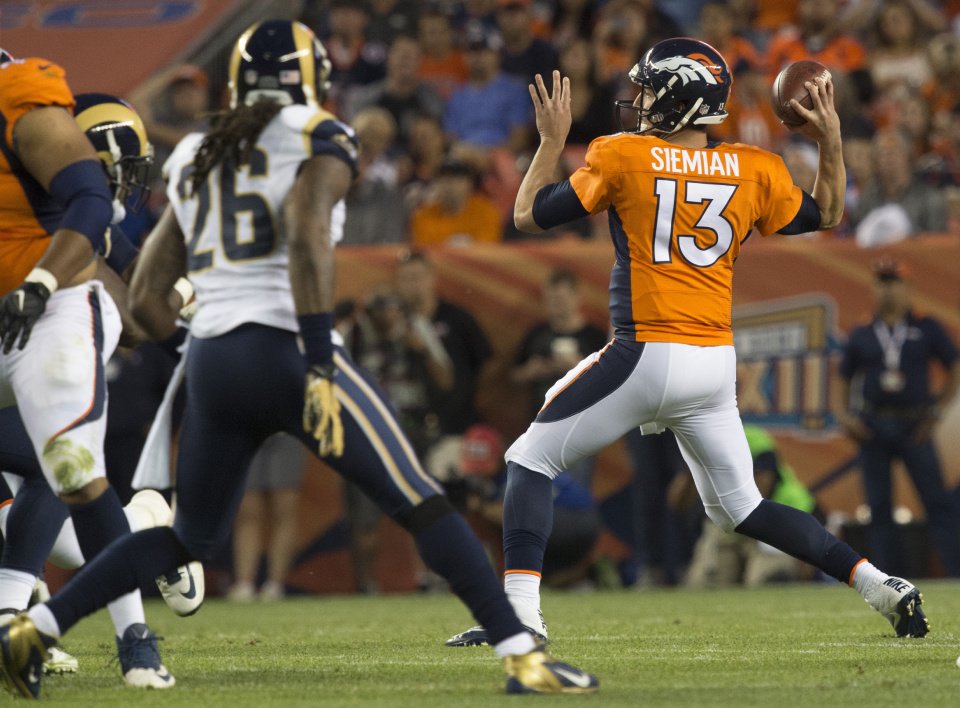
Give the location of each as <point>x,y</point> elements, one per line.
<point>363,401</point>
<point>248,384</point>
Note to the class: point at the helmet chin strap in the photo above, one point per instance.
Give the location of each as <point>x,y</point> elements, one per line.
<point>686,116</point>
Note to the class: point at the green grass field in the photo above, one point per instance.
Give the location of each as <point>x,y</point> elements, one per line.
<point>783,646</point>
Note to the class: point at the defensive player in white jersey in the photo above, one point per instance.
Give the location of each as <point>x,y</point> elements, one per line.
<point>256,207</point>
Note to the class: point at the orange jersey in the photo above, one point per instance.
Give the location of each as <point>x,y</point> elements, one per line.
<point>28,215</point>
<point>678,217</point>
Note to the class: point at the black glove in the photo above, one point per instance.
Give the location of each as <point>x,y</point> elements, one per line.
<point>19,311</point>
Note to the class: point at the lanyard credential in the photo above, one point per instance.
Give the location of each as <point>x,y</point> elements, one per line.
<point>891,342</point>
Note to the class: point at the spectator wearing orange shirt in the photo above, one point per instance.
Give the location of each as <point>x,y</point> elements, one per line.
<point>817,36</point>
<point>458,214</point>
<point>441,64</point>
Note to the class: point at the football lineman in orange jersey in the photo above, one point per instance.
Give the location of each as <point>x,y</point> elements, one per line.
<point>680,209</point>
<point>55,209</point>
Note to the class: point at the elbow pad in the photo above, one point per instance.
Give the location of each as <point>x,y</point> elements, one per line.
<point>82,190</point>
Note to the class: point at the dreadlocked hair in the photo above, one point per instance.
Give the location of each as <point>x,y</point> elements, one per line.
<point>233,134</point>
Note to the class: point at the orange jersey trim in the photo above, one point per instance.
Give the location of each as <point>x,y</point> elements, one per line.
<point>522,572</point>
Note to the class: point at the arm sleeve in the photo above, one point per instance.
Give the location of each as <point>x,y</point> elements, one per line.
<point>806,220</point>
<point>594,182</point>
<point>557,204</point>
<point>81,188</point>
<point>782,197</point>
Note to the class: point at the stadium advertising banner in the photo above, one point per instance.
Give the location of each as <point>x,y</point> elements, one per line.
<point>787,352</point>
<point>109,46</point>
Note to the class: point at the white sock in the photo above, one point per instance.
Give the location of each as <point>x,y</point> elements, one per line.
<point>126,610</point>
<point>866,577</point>
<point>15,589</point>
<point>517,644</point>
<point>45,621</point>
<point>523,585</point>
<point>66,551</point>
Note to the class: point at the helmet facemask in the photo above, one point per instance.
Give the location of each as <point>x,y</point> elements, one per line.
<point>117,134</point>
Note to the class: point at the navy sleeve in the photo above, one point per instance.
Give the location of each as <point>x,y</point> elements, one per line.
<point>806,220</point>
<point>557,204</point>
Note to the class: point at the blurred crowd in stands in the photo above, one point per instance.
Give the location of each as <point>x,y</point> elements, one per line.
<point>437,92</point>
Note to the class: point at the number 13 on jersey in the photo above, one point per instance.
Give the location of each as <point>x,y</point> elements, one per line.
<point>716,196</point>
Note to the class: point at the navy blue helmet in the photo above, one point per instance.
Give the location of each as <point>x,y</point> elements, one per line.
<point>279,60</point>
<point>690,83</point>
<point>117,134</point>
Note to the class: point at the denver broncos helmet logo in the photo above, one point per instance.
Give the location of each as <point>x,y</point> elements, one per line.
<point>696,67</point>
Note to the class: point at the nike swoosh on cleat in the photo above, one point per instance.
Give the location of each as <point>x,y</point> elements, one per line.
<point>579,680</point>
<point>192,592</point>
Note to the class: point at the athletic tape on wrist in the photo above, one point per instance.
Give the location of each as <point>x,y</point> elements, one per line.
<point>44,277</point>
<point>185,288</point>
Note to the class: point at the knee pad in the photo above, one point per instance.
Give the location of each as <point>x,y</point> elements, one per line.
<point>72,464</point>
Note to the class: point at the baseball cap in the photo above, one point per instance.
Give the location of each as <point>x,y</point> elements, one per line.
<point>888,269</point>
<point>481,451</point>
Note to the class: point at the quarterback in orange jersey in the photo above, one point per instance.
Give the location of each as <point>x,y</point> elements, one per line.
<point>680,209</point>
<point>58,327</point>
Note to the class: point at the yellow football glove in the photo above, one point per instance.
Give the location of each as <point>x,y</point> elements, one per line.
<point>321,410</point>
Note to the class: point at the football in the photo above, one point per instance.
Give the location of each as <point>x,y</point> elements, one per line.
<point>790,84</point>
